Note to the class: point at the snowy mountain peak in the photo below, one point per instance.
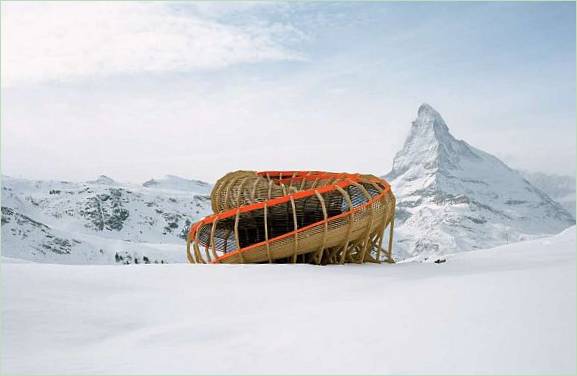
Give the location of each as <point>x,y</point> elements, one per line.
<point>429,120</point>
<point>428,115</point>
<point>429,148</point>
<point>172,182</point>
<point>103,179</point>
<point>452,196</point>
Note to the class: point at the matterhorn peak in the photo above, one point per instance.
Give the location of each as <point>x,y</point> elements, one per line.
<point>426,110</point>
<point>429,146</point>
<point>454,197</point>
<point>428,117</point>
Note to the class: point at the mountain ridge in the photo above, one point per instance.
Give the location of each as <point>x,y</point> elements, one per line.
<point>96,222</point>
<point>451,195</point>
<point>561,188</point>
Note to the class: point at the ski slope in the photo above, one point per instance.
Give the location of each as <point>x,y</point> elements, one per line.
<point>509,309</point>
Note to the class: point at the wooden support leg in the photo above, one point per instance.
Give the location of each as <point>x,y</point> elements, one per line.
<point>390,250</point>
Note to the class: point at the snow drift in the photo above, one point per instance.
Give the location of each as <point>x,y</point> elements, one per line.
<point>506,310</point>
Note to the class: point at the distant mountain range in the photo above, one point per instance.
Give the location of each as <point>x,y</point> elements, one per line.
<point>100,221</point>
<point>450,197</point>
<point>453,197</point>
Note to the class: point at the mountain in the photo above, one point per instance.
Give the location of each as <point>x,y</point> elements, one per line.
<point>103,179</point>
<point>171,182</point>
<point>450,197</point>
<point>559,187</point>
<point>454,197</point>
<point>101,221</point>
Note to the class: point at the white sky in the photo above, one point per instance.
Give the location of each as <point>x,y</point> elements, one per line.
<point>140,90</point>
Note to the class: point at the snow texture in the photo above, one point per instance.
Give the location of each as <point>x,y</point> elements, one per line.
<point>101,221</point>
<point>559,187</point>
<point>506,310</point>
<point>453,197</point>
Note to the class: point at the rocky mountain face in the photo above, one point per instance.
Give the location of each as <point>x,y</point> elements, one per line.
<point>100,221</point>
<point>453,197</point>
<point>559,187</point>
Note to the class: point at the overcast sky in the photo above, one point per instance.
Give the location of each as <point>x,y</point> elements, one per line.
<point>139,90</point>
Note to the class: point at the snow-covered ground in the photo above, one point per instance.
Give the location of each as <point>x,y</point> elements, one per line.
<point>509,309</point>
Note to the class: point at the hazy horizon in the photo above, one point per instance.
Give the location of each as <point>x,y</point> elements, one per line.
<point>139,90</point>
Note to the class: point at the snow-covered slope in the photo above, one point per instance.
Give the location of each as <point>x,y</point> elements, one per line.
<point>101,221</point>
<point>559,187</point>
<point>508,310</point>
<point>452,196</point>
<point>171,182</point>
<point>103,179</point>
